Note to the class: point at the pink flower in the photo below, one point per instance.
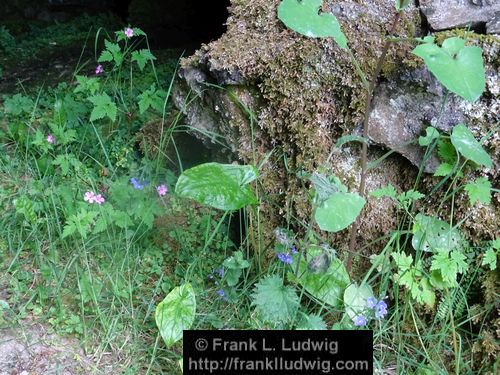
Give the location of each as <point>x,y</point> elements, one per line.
<point>99,69</point>
<point>89,197</point>
<point>50,139</point>
<point>162,190</point>
<point>99,199</point>
<point>129,33</point>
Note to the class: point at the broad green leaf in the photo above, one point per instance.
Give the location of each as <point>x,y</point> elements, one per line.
<point>431,134</point>
<point>460,69</point>
<point>275,302</point>
<point>176,313</point>
<point>339,211</point>
<point>233,266</point>
<point>222,186</point>
<point>465,143</point>
<point>305,18</point>
<point>355,299</point>
<point>311,322</point>
<point>444,169</point>
<point>325,186</point>
<point>327,286</point>
<point>431,234</point>
<point>479,190</point>
<point>103,106</point>
<point>152,98</point>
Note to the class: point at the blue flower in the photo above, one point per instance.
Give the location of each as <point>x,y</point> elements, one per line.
<point>222,294</point>
<point>381,310</point>
<point>371,302</point>
<point>220,272</point>
<point>294,249</point>
<point>138,185</point>
<point>360,321</point>
<point>285,258</point>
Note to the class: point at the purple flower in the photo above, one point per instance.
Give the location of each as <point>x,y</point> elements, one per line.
<point>285,258</point>
<point>360,321</point>
<point>222,294</point>
<point>162,190</point>
<point>89,197</point>
<point>99,199</point>
<point>371,302</point>
<point>138,185</point>
<point>99,69</point>
<point>220,272</point>
<point>381,310</point>
<point>50,138</point>
<point>294,249</point>
<point>129,32</point>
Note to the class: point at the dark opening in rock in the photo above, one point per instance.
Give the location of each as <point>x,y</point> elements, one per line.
<point>180,24</point>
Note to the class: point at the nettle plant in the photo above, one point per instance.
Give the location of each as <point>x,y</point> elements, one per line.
<point>440,249</point>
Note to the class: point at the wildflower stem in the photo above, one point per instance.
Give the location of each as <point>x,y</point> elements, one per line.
<point>364,149</point>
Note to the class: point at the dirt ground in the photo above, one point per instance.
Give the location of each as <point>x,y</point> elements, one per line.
<point>30,349</point>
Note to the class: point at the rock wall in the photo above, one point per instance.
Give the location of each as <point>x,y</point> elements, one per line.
<point>266,89</point>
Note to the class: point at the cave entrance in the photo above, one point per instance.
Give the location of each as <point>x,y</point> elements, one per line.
<point>177,24</point>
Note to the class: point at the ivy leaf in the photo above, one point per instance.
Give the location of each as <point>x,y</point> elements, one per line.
<point>431,134</point>
<point>142,57</point>
<point>385,191</point>
<point>274,302</point>
<point>431,234</point>
<point>328,286</point>
<point>339,211</point>
<point>479,190</point>
<point>103,106</point>
<point>459,68</point>
<point>176,313</point>
<point>305,18</point>
<point>222,186</point>
<point>465,143</point>
<point>355,299</point>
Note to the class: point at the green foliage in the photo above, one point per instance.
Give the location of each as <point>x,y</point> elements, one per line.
<point>152,98</point>
<point>305,18</point>
<point>479,191</point>
<point>274,302</point>
<point>80,223</point>
<point>176,313</point>
<point>402,4</point>
<point>339,211</point>
<point>141,57</point>
<point>24,206</point>
<point>412,277</point>
<point>459,68</point>
<point>311,322</point>
<point>222,186</point>
<point>431,135</point>
<point>449,264</point>
<point>355,299</point>
<point>326,285</point>
<point>465,143</point>
<point>18,104</point>
<point>103,106</point>
<point>87,85</point>
<point>431,234</point>
<point>234,266</point>
<point>491,255</point>
<point>112,52</point>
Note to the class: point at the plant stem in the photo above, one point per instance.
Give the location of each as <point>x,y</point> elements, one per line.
<point>364,149</point>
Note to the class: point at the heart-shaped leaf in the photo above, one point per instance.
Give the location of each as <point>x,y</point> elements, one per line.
<point>176,313</point>
<point>305,18</point>
<point>355,300</point>
<point>327,285</point>
<point>430,234</point>
<point>339,211</point>
<point>222,186</point>
<point>465,143</point>
<point>459,68</point>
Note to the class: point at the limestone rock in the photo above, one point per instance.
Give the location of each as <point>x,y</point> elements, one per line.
<point>448,14</point>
